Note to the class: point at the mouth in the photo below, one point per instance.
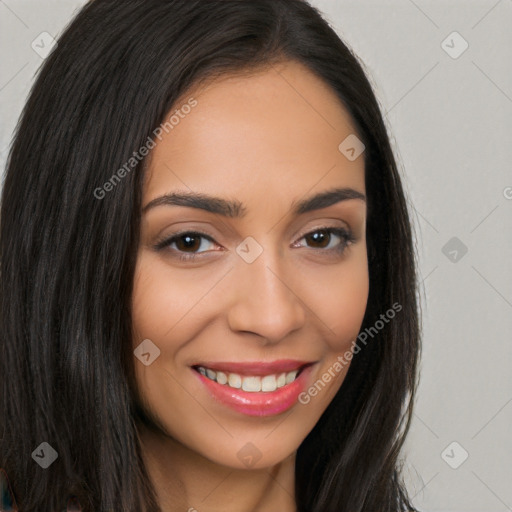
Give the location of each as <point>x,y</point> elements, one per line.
<point>255,389</point>
<point>254,383</point>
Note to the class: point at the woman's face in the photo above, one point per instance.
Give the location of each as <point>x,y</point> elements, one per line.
<point>275,294</point>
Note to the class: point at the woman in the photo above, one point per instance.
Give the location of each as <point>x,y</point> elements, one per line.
<point>208,284</point>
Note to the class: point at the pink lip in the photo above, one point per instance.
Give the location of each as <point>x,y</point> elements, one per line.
<point>258,403</point>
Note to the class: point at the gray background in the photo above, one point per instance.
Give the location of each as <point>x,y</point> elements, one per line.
<point>450,120</point>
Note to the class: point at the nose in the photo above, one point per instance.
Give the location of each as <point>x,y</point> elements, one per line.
<point>264,300</point>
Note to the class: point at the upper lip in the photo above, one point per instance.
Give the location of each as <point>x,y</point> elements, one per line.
<point>255,368</point>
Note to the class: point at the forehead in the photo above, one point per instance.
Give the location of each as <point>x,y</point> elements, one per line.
<point>273,133</point>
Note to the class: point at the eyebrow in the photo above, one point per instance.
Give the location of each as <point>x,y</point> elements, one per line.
<point>236,209</point>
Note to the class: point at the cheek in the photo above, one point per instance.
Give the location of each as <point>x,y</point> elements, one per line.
<point>341,307</point>
<point>162,306</point>
<point>163,299</point>
<point>340,298</point>
<point>160,303</point>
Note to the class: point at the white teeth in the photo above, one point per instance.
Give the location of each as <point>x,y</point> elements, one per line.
<point>234,381</point>
<point>267,383</point>
<point>290,376</point>
<point>251,384</point>
<point>222,378</point>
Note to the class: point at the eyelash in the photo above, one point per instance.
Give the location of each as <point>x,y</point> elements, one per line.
<point>346,235</point>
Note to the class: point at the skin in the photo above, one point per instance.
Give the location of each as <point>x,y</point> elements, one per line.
<point>266,140</point>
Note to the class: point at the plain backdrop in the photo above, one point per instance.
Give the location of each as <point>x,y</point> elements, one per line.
<point>442,71</point>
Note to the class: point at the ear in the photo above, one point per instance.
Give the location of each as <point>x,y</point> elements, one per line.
<point>74,505</point>
<point>7,501</point>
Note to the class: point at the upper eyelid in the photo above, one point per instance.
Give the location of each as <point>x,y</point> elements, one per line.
<point>302,234</point>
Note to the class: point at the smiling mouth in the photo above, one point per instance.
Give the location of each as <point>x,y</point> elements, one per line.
<point>264,381</point>
<point>263,389</point>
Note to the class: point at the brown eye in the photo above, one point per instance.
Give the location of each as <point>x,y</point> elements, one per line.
<point>321,237</point>
<point>329,239</point>
<point>188,242</point>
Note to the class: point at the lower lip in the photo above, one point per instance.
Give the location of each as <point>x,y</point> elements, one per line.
<point>260,403</point>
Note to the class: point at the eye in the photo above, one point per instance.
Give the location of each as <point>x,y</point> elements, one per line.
<point>325,238</point>
<point>187,243</point>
